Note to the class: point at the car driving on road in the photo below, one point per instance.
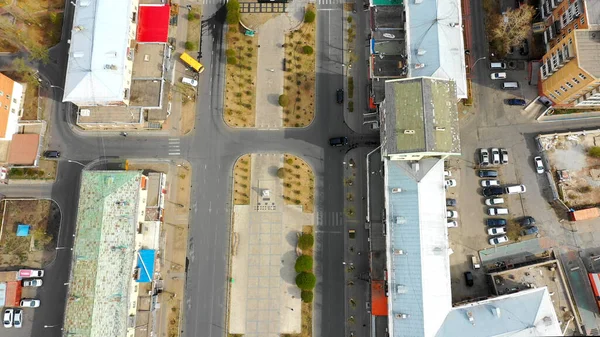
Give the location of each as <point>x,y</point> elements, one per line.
<point>338,141</point>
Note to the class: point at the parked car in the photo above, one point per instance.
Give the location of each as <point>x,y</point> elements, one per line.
<point>494,201</point>
<point>487,173</point>
<point>539,164</point>
<point>516,101</point>
<point>515,189</point>
<point>495,222</point>
<point>498,240</point>
<point>452,224</point>
<point>498,76</point>
<point>18,318</point>
<point>529,231</point>
<point>495,156</point>
<point>29,303</point>
<point>447,173</point>
<point>32,283</point>
<point>504,156</point>
<point>469,278</point>
<point>527,221</point>
<point>8,318</point>
<point>489,182</point>
<point>450,182</point>
<point>492,191</point>
<point>484,157</point>
<point>52,154</point>
<point>338,141</point>
<point>189,81</point>
<point>497,211</point>
<point>524,50</point>
<point>30,273</point>
<point>496,230</point>
<point>339,96</point>
<point>452,214</point>
<point>451,202</point>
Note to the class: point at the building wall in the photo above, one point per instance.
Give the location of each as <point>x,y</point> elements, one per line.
<point>11,104</point>
<point>569,14</point>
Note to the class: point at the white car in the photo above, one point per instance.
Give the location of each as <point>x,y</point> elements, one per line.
<point>33,283</point>
<point>498,240</point>
<point>30,273</point>
<point>489,182</point>
<point>29,303</point>
<point>190,81</point>
<point>452,224</point>
<point>497,211</point>
<point>498,76</point>
<point>484,157</point>
<point>8,318</point>
<point>18,318</point>
<point>515,189</point>
<point>539,165</point>
<point>495,156</point>
<point>496,230</point>
<point>504,156</point>
<point>451,183</point>
<point>452,214</point>
<point>494,201</point>
<point>447,173</point>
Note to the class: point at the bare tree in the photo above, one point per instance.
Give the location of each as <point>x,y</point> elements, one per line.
<point>511,27</point>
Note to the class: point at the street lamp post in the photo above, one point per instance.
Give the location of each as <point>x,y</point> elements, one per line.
<point>479,59</point>
<point>75,162</point>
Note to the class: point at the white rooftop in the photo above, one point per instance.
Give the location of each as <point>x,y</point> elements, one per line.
<point>96,70</point>
<point>435,41</point>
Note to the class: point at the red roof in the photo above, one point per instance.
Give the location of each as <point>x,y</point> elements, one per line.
<point>153,25</point>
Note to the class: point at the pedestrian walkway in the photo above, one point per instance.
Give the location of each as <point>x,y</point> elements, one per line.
<point>329,2</point>
<point>261,7</point>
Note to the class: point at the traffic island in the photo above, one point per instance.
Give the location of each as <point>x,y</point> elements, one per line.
<point>298,183</point>
<point>241,180</point>
<point>299,81</point>
<point>264,298</point>
<point>240,84</point>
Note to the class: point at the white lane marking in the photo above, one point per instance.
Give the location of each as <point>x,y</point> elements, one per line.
<point>174,153</point>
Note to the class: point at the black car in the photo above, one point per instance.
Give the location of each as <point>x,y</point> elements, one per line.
<point>487,173</point>
<point>516,101</point>
<point>52,154</point>
<point>527,221</point>
<point>451,202</point>
<point>495,222</point>
<point>529,231</point>
<point>469,278</point>
<point>492,191</point>
<point>338,141</point>
<point>339,96</point>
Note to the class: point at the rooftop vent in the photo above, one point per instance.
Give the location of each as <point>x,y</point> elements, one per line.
<point>402,316</point>
<point>83,3</point>
<point>419,65</point>
<point>78,28</point>
<point>471,318</point>
<point>496,311</point>
<point>110,66</point>
<point>401,289</point>
<point>409,132</point>
<point>415,167</point>
<point>440,128</point>
<point>78,54</point>
<point>396,190</point>
<point>400,220</point>
<point>421,52</point>
<point>399,252</point>
<point>418,1</point>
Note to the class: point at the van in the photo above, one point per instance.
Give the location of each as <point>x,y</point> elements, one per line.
<point>515,189</point>
<point>510,85</point>
<point>497,65</point>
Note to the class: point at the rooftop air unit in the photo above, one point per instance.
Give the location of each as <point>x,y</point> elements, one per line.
<point>400,220</point>
<point>402,316</point>
<point>409,132</point>
<point>421,52</point>
<point>396,190</point>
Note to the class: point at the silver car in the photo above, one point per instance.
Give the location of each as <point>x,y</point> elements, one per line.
<point>495,156</point>
<point>484,157</point>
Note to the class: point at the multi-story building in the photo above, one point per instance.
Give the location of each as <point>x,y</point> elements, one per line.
<point>569,73</point>
<point>11,106</point>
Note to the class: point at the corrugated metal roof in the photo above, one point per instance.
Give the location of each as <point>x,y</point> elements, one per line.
<point>96,70</point>
<point>435,40</point>
<point>419,277</point>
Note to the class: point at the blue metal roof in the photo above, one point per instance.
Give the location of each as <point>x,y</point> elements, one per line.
<point>145,263</point>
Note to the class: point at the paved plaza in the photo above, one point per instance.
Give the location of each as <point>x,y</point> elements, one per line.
<point>264,298</point>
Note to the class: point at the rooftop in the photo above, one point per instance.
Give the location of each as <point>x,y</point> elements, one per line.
<point>387,2</point>
<point>420,116</point>
<point>146,93</point>
<point>588,50</point>
<point>390,47</point>
<point>97,65</point>
<point>526,313</point>
<point>388,17</point>
<point>593,11</point>
<point>103,257</point>
<point>23,149</point>
<point>153,23</point>
<point>149,61</point>
<point>110,115</point>
<point>418,264</point>
<point>435,42</point>
<point>390,66</point>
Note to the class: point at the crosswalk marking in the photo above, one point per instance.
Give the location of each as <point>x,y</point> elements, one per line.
<point>174,149</point>
<point>329,2</point>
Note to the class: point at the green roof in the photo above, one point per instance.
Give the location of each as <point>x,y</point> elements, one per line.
<point>421,116</point>
<point>387,2</point>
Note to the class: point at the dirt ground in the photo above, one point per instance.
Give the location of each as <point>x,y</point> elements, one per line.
<point>38,248</point>
<point>45,171</point>
<point>253,21</point>
<point>570,154</point>
<point>306,307</point>
<point>299,81</point>
<point>298,183</point>
<point>240,90</point>
<point>241,180</point>
<point>37,24</point>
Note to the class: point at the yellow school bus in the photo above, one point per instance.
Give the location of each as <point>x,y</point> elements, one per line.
<point>190,61</point>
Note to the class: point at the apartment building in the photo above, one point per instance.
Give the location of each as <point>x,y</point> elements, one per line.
<point>570,75</point>
<point>11,106</point>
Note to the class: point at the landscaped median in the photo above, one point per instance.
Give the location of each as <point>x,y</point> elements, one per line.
<point>299,83</point>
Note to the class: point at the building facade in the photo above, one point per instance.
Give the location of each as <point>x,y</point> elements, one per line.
<point>11,106</point>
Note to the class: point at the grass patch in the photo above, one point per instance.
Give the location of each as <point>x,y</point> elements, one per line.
<point>572,111</point>
<point>298,183</point>
<point>350,87</point>
<point>241,180</point>
<point>299,80</point>
<point>240,89</point>
<point>193,28</point>
<point>45,171</point>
